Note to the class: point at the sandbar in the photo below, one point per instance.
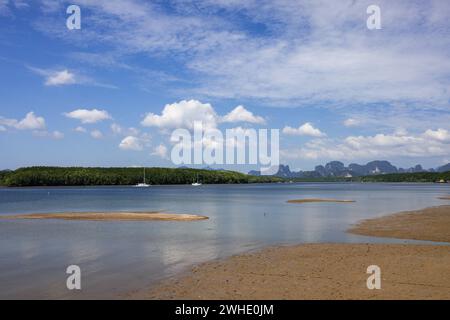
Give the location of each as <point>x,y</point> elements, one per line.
<point>110,216</point>
<point>319,200</point>
<point>431,224</point>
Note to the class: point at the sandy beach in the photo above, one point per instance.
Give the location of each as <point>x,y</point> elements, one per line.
<point>330,271</point>
<point>111,216</point>
<point>317,271</point>
<point>431,224</point>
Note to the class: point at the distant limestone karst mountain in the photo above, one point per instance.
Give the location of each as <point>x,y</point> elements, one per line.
<point>444,168</point>
<point>338,169</point>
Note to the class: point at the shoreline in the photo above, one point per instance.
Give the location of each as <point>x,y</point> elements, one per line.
<point>314,271</point>
<point>429,224</point>
<point>225,184</point>
<point>334,271</point>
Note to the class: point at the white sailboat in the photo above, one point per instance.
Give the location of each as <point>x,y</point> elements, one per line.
<point>196,184</point>
<point>142,184</point>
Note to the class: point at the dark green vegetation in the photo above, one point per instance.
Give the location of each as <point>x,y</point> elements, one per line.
<point>323,179</point>
<point>3,174</point>
<point>74,176</point>
<point>409,177</point>
<point>391,177</point>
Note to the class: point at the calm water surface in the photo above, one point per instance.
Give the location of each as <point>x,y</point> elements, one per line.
<point>117,257</point>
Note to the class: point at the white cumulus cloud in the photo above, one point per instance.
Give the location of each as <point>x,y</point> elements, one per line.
<point>240,114</point>
<point>183,114</point>
<point>381,145</point>
<point>439,134</point>
<point>131,143</point>
<point>80,129</point>
<point>307,129</point>
<point>30,122</point>
<point>56,77</point>
<point>63,77</point>
<point>88,116</point>
<point>59,78</point>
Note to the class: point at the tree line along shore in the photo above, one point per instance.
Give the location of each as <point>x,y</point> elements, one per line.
<point>78,176</point>
<point>82,176</point>
<point>427,177</point>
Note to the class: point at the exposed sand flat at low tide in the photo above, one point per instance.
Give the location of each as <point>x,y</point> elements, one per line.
<point>111,216</point>
<point>331,271</point>
<point>444,198</point>
<point>319,200</point>
<point>427,224</point>
<point>317,271</point>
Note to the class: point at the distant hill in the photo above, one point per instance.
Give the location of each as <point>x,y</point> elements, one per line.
<point>213,169</point>
<point>373,167</point>
<point>336,169</point>
<point>444,168</point>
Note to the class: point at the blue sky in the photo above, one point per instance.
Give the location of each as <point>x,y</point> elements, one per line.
<point>110,93</point>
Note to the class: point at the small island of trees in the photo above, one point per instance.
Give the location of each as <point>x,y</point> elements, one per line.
<point>79,176</point>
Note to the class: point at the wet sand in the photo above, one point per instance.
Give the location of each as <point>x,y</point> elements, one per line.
<point>330,271</point>
<point>110,216</point>
<point>444,198</point>
<point>431,224</point>
<point>319,200</point>
<point>317,271</point>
